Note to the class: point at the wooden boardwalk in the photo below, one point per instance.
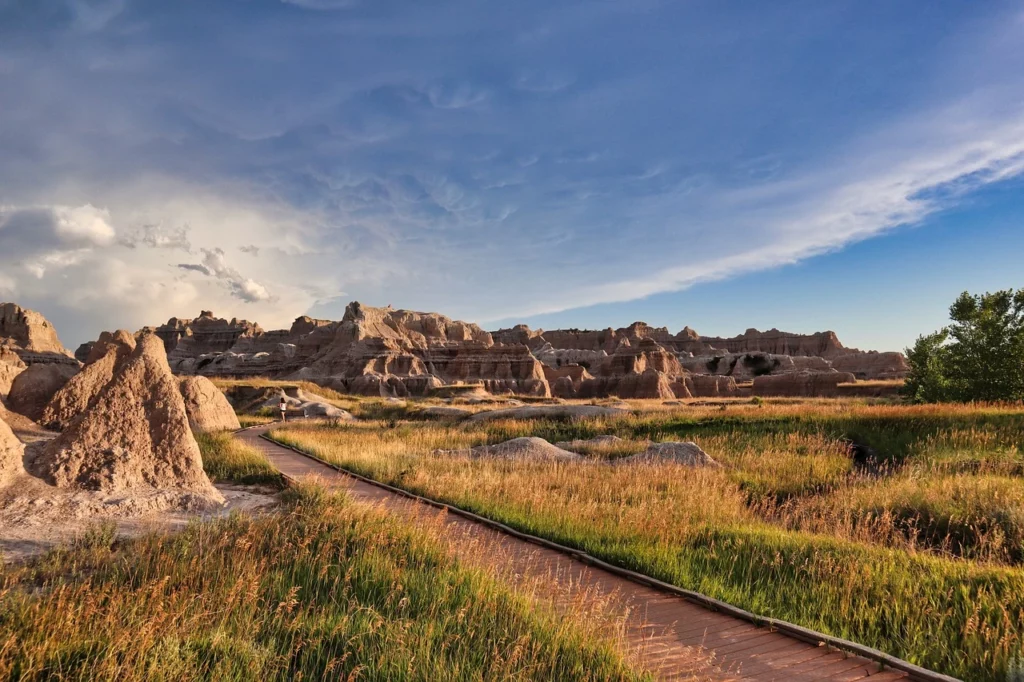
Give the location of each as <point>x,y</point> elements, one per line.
<point>674,638</point>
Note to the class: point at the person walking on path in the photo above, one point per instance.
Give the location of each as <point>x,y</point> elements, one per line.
<point>284,409</point>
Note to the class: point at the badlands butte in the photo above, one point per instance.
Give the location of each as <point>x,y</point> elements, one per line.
<point>398,353</point>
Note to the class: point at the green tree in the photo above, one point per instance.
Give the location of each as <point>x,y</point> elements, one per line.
<point>979,356</point>
<point>927,381</point>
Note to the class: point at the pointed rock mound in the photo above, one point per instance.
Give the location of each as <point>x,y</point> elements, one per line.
<point>135,434</point>
<point>207,408</point>
<point>11,452</point>
<point>78,394</point>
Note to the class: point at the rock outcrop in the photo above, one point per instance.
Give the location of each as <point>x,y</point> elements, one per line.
<point>78,394</point>
<point>743,358</point>
<point>802,384</point>
<point>371,351</point>
<point>821,344</point>
<point>11,454</point>
<point>135,434</point>
<point>639,369</point>
<point>11,365</point>
<point>206,406</point>
<point>33,389</point>
<point>31,336</point>
<point>568,412</point>
<point>872,365</point>
<point>398,353</point>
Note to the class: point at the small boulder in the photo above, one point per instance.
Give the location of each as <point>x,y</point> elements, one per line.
<point>528,448</point>
<point>207,407</point>
<point>320,409</point>
<point>685,453</point>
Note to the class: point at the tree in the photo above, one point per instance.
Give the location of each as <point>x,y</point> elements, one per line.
<point>979,356</point>
<point>927,381</point>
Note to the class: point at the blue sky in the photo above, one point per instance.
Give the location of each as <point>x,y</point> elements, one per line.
<point>805,165</point>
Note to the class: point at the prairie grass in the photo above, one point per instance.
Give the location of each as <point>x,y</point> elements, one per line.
<point>246,420</point>
<point>229,460</point>
<point>322,590</point>
<point>920,556</point>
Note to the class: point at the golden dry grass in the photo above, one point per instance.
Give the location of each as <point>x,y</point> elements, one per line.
<point>928,538</point>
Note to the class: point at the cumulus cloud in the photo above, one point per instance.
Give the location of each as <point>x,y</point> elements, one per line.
<point>40,238</point>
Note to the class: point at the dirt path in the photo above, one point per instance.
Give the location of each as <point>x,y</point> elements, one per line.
<point>669,635</point>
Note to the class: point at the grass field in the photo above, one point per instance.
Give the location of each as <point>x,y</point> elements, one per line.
<point>323,590</point>
<point>228,460</point>
<point>917,549</point>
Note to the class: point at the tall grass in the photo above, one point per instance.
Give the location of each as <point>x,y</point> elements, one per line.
<point>229,460</point>
<point>324,590</point>
<point>916,558</point>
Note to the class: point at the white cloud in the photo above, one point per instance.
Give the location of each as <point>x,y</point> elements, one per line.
<point>871,189</point>
<point>158,237</point>
<point>215,265</point>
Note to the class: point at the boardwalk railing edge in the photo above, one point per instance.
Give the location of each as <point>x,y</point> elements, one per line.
<point>795,631</point>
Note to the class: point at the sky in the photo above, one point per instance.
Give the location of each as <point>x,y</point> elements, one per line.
<point>803,165</point>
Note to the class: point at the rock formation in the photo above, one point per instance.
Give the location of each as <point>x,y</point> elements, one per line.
<point>528,448</point>
<point>206,407</point>
<point>11,365</point>
<point>569,412</point>
<point>741,358</point>
<point>135,434</point>
<point>31,336</point>
<point>33,388</point>
<point>371,351</point>
<point>802,384</point>
<point>11,453</point>
<point>309,404</point>
<point>78,394</point>
<point>820,344</point>
<point>639,369</point>
<point>685,453</point>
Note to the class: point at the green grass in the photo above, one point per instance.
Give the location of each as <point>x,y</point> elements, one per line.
<point>923,562</point>
<point>323,590</point>
<point>228,460</point>
<point>246,420</point>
